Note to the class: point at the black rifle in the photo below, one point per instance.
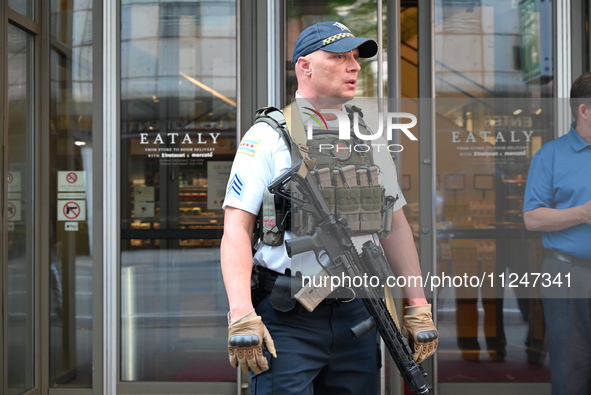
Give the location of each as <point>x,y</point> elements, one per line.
<point>336,253</point>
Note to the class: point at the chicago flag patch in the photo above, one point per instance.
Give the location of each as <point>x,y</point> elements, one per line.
<point>248,146</point>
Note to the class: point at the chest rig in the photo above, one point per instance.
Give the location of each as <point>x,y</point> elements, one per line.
<point>345,171</point>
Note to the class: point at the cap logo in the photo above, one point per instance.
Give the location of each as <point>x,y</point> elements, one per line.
<point>336,37</point>
<point>341,26</point>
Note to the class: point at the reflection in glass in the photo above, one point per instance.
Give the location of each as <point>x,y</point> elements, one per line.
<point>173,315</point>
<point>178,114</point>
<point>178,138</point>
<point>21,259</point>
<point>70,270</point>
<point>491,119</point>
<point>24,7</point>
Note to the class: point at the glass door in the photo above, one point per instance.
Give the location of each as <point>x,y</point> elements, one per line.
<point>178,138</point>
<point>19,261</point>
<point>493,84</point>
<point>72,222</point>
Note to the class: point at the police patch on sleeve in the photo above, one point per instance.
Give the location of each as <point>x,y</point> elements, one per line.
<point>236,187</point>
<point>248,146</point>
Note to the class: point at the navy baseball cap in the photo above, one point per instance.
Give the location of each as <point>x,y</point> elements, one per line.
<point>332,37</point>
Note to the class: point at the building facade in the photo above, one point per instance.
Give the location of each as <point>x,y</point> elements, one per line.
<point>119,122</point>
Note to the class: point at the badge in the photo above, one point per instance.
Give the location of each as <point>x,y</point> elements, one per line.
<point>341,149</point>
<point>341,26</point>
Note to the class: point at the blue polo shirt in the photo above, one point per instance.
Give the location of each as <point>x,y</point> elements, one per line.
<point>560,177</point>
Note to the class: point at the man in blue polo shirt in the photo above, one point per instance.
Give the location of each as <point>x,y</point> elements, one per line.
<point>558,203</point>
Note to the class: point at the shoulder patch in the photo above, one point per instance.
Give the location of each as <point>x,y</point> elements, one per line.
<point>248,146</point>
<point>236,187</point>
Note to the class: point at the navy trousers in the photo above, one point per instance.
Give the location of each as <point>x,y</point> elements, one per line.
<point>317,353</point>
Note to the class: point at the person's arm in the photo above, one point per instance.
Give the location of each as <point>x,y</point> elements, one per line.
<point>251,173</point>
<point>236,260</point>
<point>401,253</point>
<point>539,202</point>
<point>548,219</point>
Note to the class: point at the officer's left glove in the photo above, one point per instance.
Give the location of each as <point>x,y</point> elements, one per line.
<point>418,327</point>
<point>245,343</point>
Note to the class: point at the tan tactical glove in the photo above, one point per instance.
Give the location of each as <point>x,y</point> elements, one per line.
<point>245,343</point>
<point>418,327</point>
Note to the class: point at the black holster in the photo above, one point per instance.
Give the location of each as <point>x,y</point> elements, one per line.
<point>279,287</point>
<point>257,292</point>
<point>281,297</point>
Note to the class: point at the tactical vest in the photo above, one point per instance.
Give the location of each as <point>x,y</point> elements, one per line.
<point>347,177</point>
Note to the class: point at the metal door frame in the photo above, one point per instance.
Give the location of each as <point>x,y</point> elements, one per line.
<point>31,27</point>
<point>111,234</point>
<point>3,191</point>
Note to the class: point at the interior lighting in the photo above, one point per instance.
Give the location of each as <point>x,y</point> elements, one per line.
<point>210,90</point>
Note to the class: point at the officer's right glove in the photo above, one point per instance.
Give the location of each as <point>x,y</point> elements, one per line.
<point>418,327</point>
<point>245,343</point>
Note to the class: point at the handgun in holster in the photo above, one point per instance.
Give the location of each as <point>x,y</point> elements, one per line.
<point>257,292</point>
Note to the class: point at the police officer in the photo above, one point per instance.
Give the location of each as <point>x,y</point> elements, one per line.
<point>288,349</point>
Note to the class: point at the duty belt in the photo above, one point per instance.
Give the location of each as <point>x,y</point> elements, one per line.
<point>567,258</point>
<point>268,277</point>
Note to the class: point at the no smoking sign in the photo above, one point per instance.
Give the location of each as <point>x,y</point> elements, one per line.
<point>71,181</point>
<point>71,210</point>
<point>71,178</point>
